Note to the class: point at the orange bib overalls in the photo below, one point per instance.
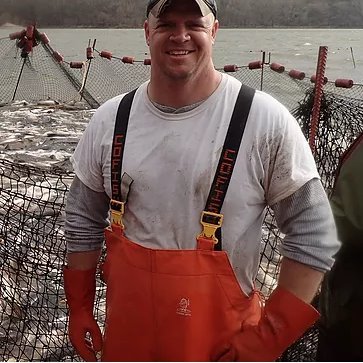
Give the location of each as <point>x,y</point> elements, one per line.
<point>171,305</point>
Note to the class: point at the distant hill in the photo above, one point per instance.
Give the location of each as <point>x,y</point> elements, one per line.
<point>232,13</point>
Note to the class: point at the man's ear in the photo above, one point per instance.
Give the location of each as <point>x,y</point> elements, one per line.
<point>215,30</point>
<point>147,32</point>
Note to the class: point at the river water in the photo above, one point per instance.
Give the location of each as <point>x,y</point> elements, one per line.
<point>294,48</point>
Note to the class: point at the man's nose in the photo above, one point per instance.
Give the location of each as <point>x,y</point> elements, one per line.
<point>180,34</point>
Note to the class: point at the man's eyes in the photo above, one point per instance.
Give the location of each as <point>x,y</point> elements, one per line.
<point>190,26</point>
<point>163,25</point>
<point>196,25</point>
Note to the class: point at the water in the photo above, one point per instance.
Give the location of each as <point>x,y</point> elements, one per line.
<point>294,48</point>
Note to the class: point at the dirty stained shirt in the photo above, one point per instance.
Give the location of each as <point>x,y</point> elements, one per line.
<point>171,159</point>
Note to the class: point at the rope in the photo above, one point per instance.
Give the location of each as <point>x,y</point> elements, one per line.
<point>320,74</point>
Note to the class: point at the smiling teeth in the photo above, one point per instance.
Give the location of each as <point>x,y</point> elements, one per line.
<point>179,52</point>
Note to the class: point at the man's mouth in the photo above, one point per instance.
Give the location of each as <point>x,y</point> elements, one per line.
<point>179,52</point>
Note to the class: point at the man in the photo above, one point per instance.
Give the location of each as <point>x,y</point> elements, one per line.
<point>341,297</point>
<point>170,296</point>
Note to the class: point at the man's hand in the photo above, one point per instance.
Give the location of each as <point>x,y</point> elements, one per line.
<point>80,324</point>
<point>284,320</point>
<point>84,333</point>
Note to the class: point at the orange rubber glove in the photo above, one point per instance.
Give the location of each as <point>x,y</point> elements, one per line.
<point>285,319</point>
<point>80,289</point>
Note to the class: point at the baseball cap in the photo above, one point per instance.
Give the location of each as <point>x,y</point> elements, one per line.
<point>156,7</point>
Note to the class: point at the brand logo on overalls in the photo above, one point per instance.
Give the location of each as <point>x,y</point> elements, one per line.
<point>183,306</point>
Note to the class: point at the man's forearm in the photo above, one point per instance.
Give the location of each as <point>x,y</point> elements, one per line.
<point>86,218</point>
<point>83,260</point>
<point>301,280</point>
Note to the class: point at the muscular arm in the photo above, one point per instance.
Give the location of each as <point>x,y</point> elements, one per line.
<point>86,218</point>
<point>83,260</point>
<point>310,239</point>
<point>301,280</point>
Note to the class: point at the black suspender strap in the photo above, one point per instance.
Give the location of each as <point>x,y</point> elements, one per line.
<point>211,218</point>
<point>118,144</point>
<point>119,137</point>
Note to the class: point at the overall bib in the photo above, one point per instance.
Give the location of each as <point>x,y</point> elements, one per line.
<point>174,305</point>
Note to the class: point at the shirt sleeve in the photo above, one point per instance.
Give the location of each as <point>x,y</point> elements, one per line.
<point>86,218</point>
<point>285,154</point>
<point>306,219</point>
<point>94,147</point>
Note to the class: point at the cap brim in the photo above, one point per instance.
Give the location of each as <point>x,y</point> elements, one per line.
<point>161,5</point>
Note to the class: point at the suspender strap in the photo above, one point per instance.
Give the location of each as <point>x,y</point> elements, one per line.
<point>119,137</point>
<point>222,178</point>
<point>117,203</point>
<point>211,215</point>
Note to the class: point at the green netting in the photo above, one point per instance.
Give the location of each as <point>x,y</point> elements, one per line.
<point>110,77</point>
<point>12,63</point>
<point>340,122</point>
<point>39,76</point>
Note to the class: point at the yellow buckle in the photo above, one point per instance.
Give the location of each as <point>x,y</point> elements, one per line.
<point>209,229</point>
<point>117,212</point>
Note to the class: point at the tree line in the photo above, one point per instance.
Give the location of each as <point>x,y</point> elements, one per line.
<point>232,13</point>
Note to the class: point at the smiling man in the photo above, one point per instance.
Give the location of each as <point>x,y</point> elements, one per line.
<point>187,165</point>
<point>181,42</point>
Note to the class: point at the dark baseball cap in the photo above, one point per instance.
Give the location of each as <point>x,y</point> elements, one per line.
<point>156,7</point>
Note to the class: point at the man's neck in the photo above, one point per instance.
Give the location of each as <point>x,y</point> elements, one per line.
<point>178,94</point>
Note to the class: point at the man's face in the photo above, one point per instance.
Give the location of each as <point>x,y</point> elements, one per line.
<point>181,40</point>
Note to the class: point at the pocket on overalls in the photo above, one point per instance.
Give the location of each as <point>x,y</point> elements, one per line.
<point>249,307</point>
<point>198,313</point>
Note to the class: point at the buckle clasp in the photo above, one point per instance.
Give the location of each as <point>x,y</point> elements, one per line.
<point>117,212</point>
<point>210,222</point>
